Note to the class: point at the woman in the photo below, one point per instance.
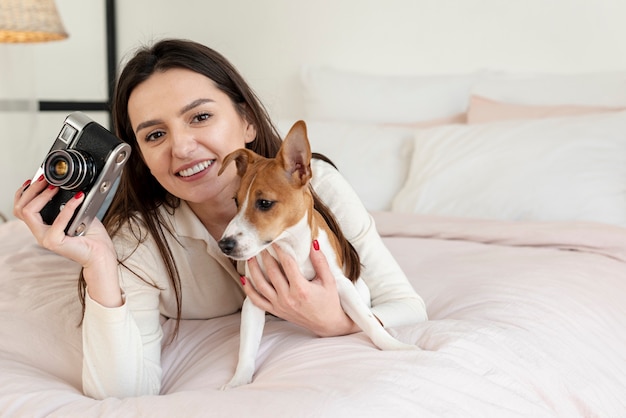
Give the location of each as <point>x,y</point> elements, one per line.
<point>182,107</point>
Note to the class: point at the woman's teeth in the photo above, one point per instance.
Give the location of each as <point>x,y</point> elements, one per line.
<point>195,169</point>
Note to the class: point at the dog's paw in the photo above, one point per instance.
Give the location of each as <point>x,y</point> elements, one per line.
<point>227,386</point>
<point>235,382</point>
<point>398,346</point>
<point>408,347</point>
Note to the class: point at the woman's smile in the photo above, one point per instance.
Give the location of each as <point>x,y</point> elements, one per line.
<point>201,167</point>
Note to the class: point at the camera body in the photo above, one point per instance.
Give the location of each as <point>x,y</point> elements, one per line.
<point>84,157</point>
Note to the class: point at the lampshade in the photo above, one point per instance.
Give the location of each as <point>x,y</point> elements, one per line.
<point>30,21</point>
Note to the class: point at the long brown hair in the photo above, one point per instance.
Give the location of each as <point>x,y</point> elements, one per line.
<point>139,195</point>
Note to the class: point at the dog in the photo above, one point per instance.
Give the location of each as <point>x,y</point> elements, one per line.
<point>275,207</point>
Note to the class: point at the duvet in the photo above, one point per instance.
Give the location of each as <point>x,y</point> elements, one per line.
<point>526,319</point>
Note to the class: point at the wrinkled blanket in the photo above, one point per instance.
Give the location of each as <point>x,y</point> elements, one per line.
<point>526,319</point>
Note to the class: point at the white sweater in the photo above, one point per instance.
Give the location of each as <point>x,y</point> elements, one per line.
<point>122,346</point>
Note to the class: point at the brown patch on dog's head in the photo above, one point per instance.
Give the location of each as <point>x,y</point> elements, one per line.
<point>270,193</point>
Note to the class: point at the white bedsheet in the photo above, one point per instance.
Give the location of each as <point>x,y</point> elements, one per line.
<point>526,319</point>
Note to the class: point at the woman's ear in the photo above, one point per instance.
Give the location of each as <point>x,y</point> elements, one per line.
<point>250,133</point>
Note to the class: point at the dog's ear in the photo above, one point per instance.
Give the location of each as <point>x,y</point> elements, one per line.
<point>295,154</point>
<point>241,157</point>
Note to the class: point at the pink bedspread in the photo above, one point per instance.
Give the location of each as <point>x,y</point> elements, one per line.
<point>526,319</point>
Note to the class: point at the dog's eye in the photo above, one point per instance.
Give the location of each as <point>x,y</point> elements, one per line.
<point>264,205</point>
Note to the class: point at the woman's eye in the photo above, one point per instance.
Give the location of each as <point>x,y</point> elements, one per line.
<point>201,117</point>
<point>153,136</point>
<point>236,201</point>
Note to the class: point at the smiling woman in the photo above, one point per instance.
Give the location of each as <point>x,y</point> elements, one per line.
<point>182,107</point>
<point>184,125</point>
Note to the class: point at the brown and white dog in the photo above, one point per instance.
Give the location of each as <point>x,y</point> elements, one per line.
<point>275,206</point>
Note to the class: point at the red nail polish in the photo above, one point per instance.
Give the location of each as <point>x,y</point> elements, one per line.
<point>51,187</point>
<point>40,178</point>
<point>316,245</point>
<point>79,195</point>
<point>243,280</point>
<point>26,183</point>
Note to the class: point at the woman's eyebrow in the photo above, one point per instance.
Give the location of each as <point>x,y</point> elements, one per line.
<point>185,108</point>
<point>194,104</point>
<point>147,124</point>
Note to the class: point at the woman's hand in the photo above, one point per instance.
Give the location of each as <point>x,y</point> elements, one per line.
<point>289,295</point>
<point>94,250</point>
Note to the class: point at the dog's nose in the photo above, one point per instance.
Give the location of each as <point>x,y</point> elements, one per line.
<point>227,244</point>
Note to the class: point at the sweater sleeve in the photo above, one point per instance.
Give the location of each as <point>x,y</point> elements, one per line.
<point>394,301</point>
<point>122,346</point>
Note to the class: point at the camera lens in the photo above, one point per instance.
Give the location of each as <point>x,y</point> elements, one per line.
<point>69,169</point>
<point>59,169</point>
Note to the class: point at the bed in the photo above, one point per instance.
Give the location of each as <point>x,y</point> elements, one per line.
<point>503,198</point>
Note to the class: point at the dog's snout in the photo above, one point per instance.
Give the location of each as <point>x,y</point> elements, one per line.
<point>227,245</point>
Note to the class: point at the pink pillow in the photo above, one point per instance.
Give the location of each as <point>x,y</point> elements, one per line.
<point>483,110</point>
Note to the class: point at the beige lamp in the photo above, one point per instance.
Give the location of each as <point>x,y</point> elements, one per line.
<point>30,21</point>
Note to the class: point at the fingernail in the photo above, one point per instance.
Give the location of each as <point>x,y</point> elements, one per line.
<point>316,245</point>
<point>51,187</point>
<point>26,183</point>
<point>40,178</point>
<point>243,280</point>
<point>79,195</point>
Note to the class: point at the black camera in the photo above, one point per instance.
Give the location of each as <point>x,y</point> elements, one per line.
<point>84,157</point>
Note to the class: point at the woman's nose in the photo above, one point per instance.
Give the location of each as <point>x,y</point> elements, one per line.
<point>183,145</point>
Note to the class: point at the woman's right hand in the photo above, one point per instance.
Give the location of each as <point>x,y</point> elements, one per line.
<point>94,250</point>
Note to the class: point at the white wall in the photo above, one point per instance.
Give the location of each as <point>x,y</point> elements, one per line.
<point>269,41</point>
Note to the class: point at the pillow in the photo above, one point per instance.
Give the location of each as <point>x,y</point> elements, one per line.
<point>570,168</point>
<point>499,96</point>
<point>483,110</point>
<point>334,95</point>
<point>373,158</point>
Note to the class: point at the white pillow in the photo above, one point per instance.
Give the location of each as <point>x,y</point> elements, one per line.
<point>601,89</point>
<point>335,95</point>
<point>570,168</point>
<point>373,158</point>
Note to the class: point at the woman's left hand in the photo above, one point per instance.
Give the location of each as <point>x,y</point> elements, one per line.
<point>287,294</point>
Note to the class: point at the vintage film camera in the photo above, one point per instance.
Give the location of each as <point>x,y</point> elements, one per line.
<point>84,157</point>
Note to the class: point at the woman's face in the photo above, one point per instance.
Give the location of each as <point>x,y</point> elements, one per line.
<point>185,126</point>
